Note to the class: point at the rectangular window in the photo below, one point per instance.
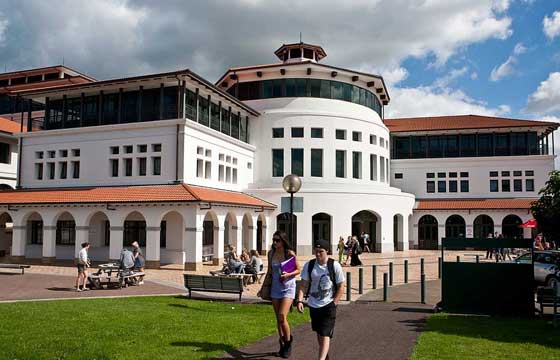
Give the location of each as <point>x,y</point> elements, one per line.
<point>529,173</point>
<point>505,185</point>
<point>493,173</point>
<point>277,162</point>
<point>207,170</point>
<point>453,186</point>
<point>505,173</point>
<point>127,167</point>
<point>63,166</point>
<point>76,152</point>
<point>114,167</point>
<point>39,171</point>
<point>317,133</point>
<point>382,142</point>
<point>221,173</point>
<point>156,165</point>
<point>340,163</point>
<point>228,174</point>
<point>468,145</point>
<point>387,169</point>
<point>142,148</point>
<point>52,154</point>
<point>373,139</point>
<point>65,232</point>
<point>156,147</point>
<point>356,165</point>
<point>464,186</point>
<point>199,168</point>
<point>278,132</point>
<point>440,174</point>
<point>50,168</point>
<point>494,186</point>
<point>517,185</point>
<point>297,132</point>
<point>436,146</point>
<point>485,146</point>
<point>208,153</point>
<point>340,134</point>
<point>36,232</point>
<point>114,150</point>
<point>441,186</point>
<point>381,169</point>
<point>225,122</point>
<point>317,162</point>
<point>398,175</point>
<point>373,167</point>
<point>464,174</point>
<point>502,144</point>
<point>39,155</point>
<point>430,186</point>
<point>128,149</point>
<point>402,147</point>
<point>452,174</point>
<point>63,153</point>
<point>356,136</point>
<point>75,169</point>
<point>452,146</point>
<point>142,166</point>
<point>419,147</point>
<point>234,176</point>
<point>518,173</point>
<point>430,175</point>
<point>297,162</point>
<point>529,185</point>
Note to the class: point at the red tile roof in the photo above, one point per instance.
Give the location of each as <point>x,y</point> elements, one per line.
<point>130,194</point>
<point>9,126</point>
<point>467,204</point>
<point>458,122</point>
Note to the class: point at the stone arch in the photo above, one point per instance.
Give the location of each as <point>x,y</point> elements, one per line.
<point>398,232</point>
<point>455,226</point>
<point>134,229</point>
<point>510,226</point>
<point>482,226</point>
<point>230,229</point>
<point>283,221</point>
<point>65,235</point>
<point>428,233</point>
<point>210,228</point>
<point>5,187</point>
<point>172,232</point>
<point>99,234</point>
<point>261,233</point>
<point>369,222</point>
<point>247,232</point>
<point>321,228</point>
<point>6,228</point>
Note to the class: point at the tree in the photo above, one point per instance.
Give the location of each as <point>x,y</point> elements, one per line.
<point>546,210</point>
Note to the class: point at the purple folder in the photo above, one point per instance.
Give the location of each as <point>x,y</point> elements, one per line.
<point>287,266</point>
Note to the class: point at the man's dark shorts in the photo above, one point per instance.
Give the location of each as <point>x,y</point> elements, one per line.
<point>323,319</point>
<point>81,268</point>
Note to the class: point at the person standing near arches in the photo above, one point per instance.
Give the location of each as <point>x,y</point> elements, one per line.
<point>83,264</point>
<point>282,288</point>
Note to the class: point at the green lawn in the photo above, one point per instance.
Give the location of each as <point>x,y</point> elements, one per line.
<point>131,328</point>
<point>478,337</point>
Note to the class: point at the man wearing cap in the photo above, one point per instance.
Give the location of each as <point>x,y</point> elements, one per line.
<point>323,280</point>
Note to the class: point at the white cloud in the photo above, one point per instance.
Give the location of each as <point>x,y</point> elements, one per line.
<point>500,5</point>
<point>546,99</point>
<point>445,81</point>
<point>508,67</point>
<point>426,101</point>
<point>143,36</point>
<point>391,75</point>
<point>3,26</point>
<point>551,25</point>
<point>474,75</point>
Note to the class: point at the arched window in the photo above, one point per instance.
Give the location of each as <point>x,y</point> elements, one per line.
<point>428,233</point>
<point>455,226</point>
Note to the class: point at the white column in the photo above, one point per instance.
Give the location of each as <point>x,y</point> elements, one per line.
<point>267,234</point>
<point>82,236</point>
<point>404,234</point>
<point>239,230</point>
<point>253,232</point>
<point>49,244</point>
<point>19,241</point>
<point>219,241</point>
<point>116,242</point>
<point>152,247</point>
<point>386,243</point>
<point>192,244</point>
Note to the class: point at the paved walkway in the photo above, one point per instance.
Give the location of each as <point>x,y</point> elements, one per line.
<point>405,293</point>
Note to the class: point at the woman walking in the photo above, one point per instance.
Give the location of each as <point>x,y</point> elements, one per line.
<point>282,288</point>
<point>341,247</point>
<point>356,251</point>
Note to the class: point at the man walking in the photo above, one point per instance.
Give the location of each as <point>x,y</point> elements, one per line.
<point>323,281</point>
<point>83,264</point>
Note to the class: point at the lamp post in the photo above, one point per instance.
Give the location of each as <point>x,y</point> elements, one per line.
<point>291,184</point>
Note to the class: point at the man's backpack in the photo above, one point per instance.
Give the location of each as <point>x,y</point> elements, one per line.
<point>358,249</point>
<point>330,267</point>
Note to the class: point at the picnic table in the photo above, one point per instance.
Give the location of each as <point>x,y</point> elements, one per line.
<point>111,275</point>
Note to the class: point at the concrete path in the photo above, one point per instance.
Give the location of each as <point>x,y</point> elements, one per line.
<point>405,293</point>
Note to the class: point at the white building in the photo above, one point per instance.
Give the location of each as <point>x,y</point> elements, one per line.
<point>185,166</point>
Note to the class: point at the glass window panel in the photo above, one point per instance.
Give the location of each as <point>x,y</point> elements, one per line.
<point>517,185</point>
<point>464,186</point>
<point>346,92</point>
<point>301,87</point>
<point>468,145</point>
<point>336,90</point>
<point>355,94</point>
<point>419,146</point>
<point>494,186</point>
<point>277,88</point>
<point>317,162</point>
<point>243,134</point>
<point>297,162</point>
<point>485,146</point>
<point>277,162</point>
<point>73,112</point>
<point>529,173</point>
<point>315,87</point>
<point>326,89</point>
<point>381,169</point>
<point>278,132</point>
<point>453,186</point>
<point>215,116</point>
<point>290,87</point>
<point>190,104</point>
<point>452,146</point>
<point>225,122</point>
<point>267,89</point>
<point>373,167</point>
<point>435,146</point>
<point>235,125</point>
<point>533,143</point>
<point>506,185</point>
<point>316,133</point>
<point>442,186</point>
<point>156,166</point>
<point>203,108</point>
<point>362,97</point>
<point>170,99</point>
<point>91,108</point>
<point>150,104</point>
<point>110,108</point>
<point>430,186</point>
<point>529,185</point>
<point>340,134</point>
<point>502,144</point>
<point>297,132</point>
<point>519,143</point>
<point>340,163</point>
<point>356,165</point>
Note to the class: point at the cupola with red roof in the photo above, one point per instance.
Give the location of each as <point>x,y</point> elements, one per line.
<point>299,52</point>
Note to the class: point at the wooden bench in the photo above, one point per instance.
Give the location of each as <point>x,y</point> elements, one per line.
<point>15,266</point>
<point>217,284</point>
<point>546,297</point>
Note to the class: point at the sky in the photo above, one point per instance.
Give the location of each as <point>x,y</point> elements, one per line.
<point>438,57</point>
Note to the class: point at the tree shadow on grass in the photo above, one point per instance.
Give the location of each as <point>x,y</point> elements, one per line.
<point>500,329</point>
<point>227,349</point>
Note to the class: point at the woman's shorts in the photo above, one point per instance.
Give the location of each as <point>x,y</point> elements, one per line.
<point>323,319</point>
<point>81,268</point>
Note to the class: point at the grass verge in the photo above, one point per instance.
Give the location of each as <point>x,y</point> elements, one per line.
<point>479,337</point>
<point>132,328</point>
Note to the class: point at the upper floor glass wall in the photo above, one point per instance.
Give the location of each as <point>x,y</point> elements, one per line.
<point>303,87</point>
<point>466,145</point>
<point>144,105</point>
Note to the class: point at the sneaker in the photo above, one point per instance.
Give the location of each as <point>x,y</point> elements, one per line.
<point>78,289</point>
<point>141,283</point>
<point>85,289</point>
